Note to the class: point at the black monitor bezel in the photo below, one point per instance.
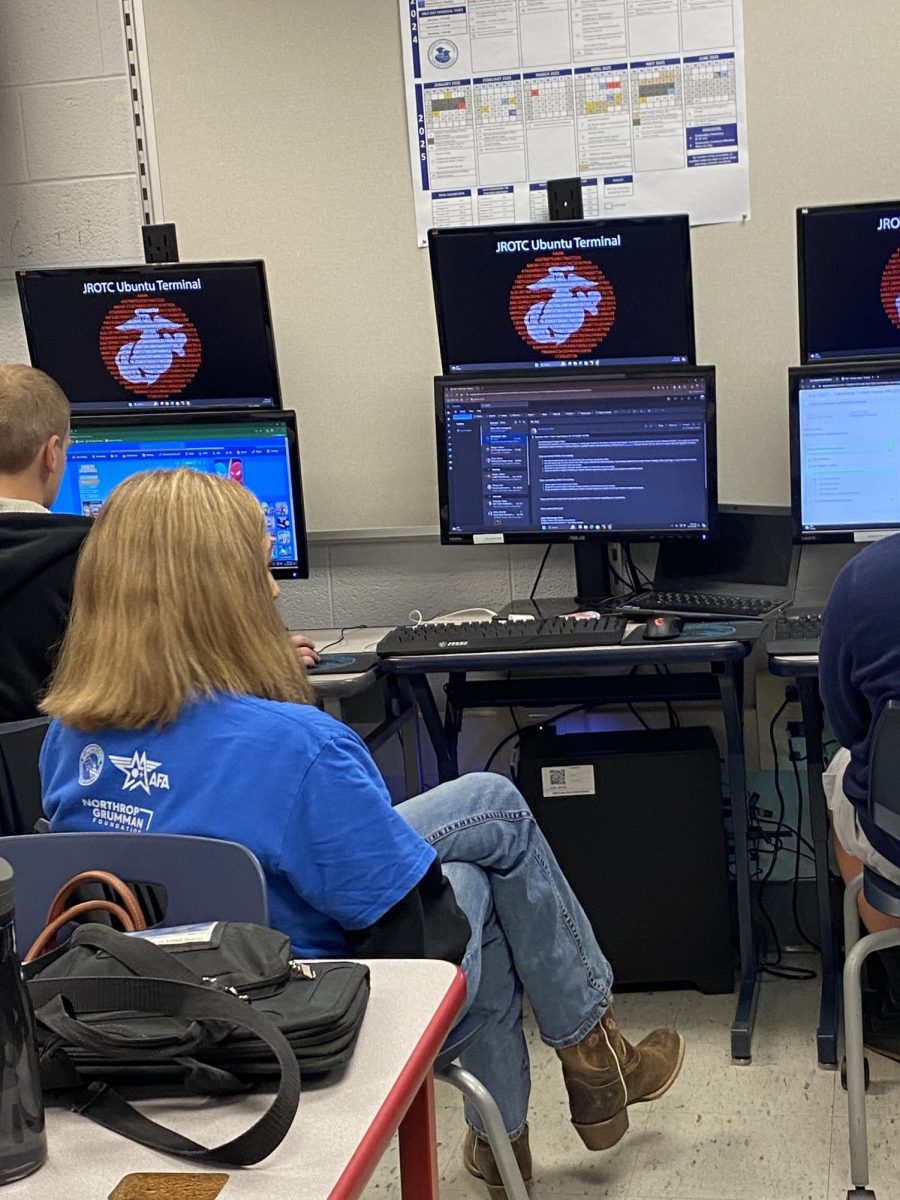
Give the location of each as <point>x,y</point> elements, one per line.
<point>835,210</point>
<point>796,375</point>
<point>538,380</point>
<point>153,269</point>
<point>559,227</point>
<point>226,416</point>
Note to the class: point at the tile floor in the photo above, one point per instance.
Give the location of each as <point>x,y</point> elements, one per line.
<point>774,1129</point>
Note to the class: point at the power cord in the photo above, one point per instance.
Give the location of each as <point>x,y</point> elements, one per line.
<point>339,638</point>
<point>794,904</point>
<point>519,730</point>
<point>639,577</point>
<point>778,969</point>
<point>628,585</point>
<point>537,578</point>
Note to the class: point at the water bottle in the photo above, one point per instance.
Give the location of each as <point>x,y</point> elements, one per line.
<point>23,1142</point>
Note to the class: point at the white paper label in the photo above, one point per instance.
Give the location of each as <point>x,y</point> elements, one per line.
<point>487,539</point>
<point>568,781</point>
<point>873,535</point>
<point>179,935</point>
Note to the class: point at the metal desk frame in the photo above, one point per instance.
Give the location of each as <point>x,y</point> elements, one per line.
<point>805,670</point>
<point>719,676</point>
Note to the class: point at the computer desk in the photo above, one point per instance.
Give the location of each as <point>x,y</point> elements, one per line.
<point>714,672</point>
<point>804,668</point>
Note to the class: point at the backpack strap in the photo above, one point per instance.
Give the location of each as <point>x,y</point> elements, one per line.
<point>139,955</point>
<point>190,1002</point>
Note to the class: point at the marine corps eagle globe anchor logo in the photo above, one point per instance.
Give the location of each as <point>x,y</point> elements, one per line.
<point>150,346</point>
<point>562,305</point>
<point>890,289</point>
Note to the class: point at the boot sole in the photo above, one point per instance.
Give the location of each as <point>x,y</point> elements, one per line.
<point>605,1134</point>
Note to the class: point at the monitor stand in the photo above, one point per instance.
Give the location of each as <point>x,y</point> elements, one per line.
<point>593,581</point>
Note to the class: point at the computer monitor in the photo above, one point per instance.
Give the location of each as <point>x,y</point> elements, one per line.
<point>155,336</point>
<point>257,449</point>
<point>584,456</point>
<point>565,294</point>
<point>849,281</point>
<point>845,451</point>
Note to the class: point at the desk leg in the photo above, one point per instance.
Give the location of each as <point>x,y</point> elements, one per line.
<point>409,739</point>
<point>418,1146</point>
<point>742,1026</point>
<point>333,706</point>
<point>827,1032</point>
<point>444,749</point>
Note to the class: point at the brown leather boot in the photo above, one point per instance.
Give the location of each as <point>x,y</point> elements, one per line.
<point>604,1074</point>
<point>479,1161</point>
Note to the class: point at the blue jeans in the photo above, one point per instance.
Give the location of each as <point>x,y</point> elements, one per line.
<point>529,933</point>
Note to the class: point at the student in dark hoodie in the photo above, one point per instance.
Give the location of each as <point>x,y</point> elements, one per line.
<point>38,549</point>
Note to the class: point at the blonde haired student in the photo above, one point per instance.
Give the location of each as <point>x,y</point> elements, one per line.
<point>179,706</point>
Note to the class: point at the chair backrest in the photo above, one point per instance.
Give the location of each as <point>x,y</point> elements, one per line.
<point>884,771</point>
<point>20,780</point>
<point>205,879</point>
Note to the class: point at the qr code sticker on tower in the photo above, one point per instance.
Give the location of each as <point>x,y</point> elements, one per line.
<point>568,781</point>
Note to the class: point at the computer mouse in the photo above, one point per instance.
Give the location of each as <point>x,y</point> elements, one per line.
<point>663,629</point>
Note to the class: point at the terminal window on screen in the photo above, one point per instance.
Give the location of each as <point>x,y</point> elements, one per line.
<point>850,455</point>
<point>564,464</point>
<point>259,462</point>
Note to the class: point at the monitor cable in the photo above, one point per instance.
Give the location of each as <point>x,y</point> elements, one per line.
<point>537,578</point>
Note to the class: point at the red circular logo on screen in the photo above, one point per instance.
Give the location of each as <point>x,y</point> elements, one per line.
<point>890,288</point>
<point>562,305</point>
<point>150,346</point>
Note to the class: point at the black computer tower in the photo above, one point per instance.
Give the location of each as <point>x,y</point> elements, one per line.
<point>635,820</point>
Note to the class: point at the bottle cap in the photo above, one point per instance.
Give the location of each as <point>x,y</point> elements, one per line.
<point>7,889</point>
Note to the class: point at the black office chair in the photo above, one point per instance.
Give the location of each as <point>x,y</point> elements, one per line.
<point>884,809</point>
<point>20,780</point>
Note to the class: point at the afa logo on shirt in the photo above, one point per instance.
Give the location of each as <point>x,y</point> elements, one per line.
<point>140,772</point>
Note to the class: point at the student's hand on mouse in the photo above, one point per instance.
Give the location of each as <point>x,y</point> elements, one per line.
<point>306,650</point>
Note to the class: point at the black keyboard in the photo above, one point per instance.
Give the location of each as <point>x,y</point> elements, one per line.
<point>475,637</point>
<point>796,631</point>
<point>746,607</point>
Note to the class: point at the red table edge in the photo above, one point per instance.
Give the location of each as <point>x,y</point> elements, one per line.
<point>367,1154</point>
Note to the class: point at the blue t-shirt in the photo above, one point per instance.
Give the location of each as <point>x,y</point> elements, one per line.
<point>287,781</point>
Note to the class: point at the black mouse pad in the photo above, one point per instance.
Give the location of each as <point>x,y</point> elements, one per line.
<point>700,631</point>
<point>343,664</point>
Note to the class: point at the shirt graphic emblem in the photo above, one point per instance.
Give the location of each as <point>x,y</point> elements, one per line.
<point>90,764</point>
<point>140,772</point>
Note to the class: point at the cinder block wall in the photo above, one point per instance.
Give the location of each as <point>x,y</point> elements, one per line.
<point>69,194</point>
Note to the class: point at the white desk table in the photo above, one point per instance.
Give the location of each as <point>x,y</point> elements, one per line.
<point>343,1125</point>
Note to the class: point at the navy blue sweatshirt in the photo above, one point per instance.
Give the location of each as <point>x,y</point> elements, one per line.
<point>859,666</point>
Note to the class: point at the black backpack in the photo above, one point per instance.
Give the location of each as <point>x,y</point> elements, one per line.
<point>209,1010</point>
